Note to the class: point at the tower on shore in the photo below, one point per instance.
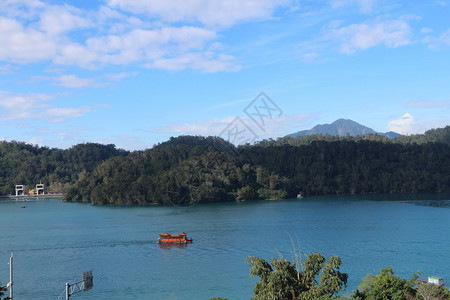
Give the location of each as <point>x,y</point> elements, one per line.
<point>20,190</point>
<point>39,189</point>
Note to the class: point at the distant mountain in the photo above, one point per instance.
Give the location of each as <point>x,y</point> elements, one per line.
<point>342,127</point>
<point>391,134</point>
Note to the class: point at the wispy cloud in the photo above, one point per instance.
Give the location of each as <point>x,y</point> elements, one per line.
<point>36,107</point>
<point>120,76</point>
<point>211,127</point>
<point>427,104</point>
<point>208,12</point>
<point>438,42</point>
<point>127,142</point>
<point>72,81</point>
<point>391,33</point>
<point>207,62</point>
<point>75,82</point>
<point>277,127</point>
<point>56,136</point>
<point>60,114</point>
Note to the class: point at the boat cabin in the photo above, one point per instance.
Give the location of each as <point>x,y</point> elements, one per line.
<point>174,238</point>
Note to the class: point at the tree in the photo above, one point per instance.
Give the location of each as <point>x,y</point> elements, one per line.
<point>281,280</point>
<point>2,290</point>
<point>385,286</point>
<point>430,291</point>
<point>331,279</point>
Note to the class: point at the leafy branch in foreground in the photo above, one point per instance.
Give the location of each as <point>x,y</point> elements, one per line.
<point>2,290</point>
<point>280,279</point>
<point>386,286</point>
<point>320,279</point>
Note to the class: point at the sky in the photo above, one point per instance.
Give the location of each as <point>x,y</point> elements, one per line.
<point>136,72</point>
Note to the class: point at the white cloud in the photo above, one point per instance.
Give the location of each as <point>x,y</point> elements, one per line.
<point>146,33</point>
<point>206,62</point>
<point>75,82</point>
<point>141,45</point>
<point>120,76</point>
<point>24,9</point>
<point>61,114</point>
<point>72,81</point>
<point>36,107</point>
<point>56,20</point>
<point>407,124</point>
<point>24,45</point>
<point>209,12</point>
<point>11,102</point>
<point>66,36</point>
<point>356,37</point>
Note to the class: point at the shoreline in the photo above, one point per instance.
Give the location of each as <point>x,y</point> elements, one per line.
<point>32,196</point>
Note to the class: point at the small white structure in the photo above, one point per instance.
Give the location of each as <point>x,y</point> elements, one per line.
<point>20,190</point>
<point>436,280</point>
<point>39,189</point>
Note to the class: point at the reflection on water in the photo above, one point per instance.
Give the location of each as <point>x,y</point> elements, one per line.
<point>432,203</point>
<point>168,246</point>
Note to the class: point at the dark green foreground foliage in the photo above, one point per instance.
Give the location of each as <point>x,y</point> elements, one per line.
<point>317,279</point>
<point>282,279</point>
<point>2,292</point>
<point>386,286</point>
<point>192,169</point>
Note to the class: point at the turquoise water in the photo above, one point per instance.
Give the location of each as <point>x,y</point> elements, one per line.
<point>55,242</point>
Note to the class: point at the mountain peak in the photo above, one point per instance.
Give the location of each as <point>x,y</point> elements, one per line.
<point>342,127</point>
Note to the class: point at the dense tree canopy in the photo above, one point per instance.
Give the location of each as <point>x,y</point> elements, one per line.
<point>194,169</point>
<point>316,279</point>
<point>386,286</point>
<point>189,170</point>
<point>281,279</point>
<point>21,163</point>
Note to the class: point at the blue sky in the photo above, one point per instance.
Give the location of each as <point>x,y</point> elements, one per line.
<point>136,72</point>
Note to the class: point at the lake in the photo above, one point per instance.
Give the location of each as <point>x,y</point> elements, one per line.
<point>54,242</point>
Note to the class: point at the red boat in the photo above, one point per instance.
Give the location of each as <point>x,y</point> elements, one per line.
<point>168,238</point>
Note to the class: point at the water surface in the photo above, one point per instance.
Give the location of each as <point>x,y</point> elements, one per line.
<point>54,242</point>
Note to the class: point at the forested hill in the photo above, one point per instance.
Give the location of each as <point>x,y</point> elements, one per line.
<point>21,163</point>
<point>192,169</point>
<point>189,169</point>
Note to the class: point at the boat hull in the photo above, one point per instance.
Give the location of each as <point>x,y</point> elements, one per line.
<point>175,241</point>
